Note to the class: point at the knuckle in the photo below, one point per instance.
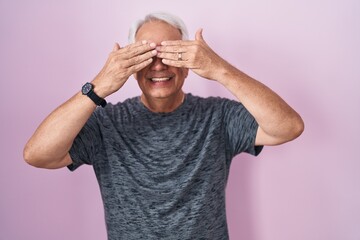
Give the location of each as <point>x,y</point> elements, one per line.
<point>131,61</point>
<point>131,52</point>
<point>137,58</point>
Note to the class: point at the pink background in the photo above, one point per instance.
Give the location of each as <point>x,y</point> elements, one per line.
<point>307,51</point>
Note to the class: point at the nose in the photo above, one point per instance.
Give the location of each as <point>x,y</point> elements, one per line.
<point>157,64</point>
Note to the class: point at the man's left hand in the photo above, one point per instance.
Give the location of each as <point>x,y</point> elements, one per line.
<point>193,54</point>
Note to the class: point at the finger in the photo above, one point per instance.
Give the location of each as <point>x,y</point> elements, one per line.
<point>140,58</point>
<point>137,67</point>
<point>176,42</point>
<point>176,56</point>
<point>198,35</point>
<point>174,63</point>
<point>137,49</point>
<point>116,47</point>
<point>172,49</point>
<point>125,49</point>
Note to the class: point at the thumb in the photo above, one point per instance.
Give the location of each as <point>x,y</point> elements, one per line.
<point>116,47</point>
<point>198,35</point>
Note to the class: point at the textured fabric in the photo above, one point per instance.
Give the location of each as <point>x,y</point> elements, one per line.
<point>163,175</point>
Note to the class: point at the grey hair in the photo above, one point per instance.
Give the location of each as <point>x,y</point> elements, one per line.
<point>159,16</point>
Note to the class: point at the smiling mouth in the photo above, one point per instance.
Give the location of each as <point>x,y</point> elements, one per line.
<point>160,79</point>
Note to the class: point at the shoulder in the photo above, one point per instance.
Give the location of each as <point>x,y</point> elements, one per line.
<point>215,103</point>
<point>193,99</point>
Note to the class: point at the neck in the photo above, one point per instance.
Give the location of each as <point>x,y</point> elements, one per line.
<point>163,105</point>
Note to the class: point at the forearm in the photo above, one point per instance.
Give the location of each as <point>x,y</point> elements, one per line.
<point>52,140</point>
<point>276,119</point>
<point>278,122</point>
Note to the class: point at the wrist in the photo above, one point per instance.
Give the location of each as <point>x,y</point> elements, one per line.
<point>88,89</point>
<point>100,89</point>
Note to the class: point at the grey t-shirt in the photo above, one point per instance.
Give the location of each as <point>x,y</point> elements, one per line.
<point>163,175</point>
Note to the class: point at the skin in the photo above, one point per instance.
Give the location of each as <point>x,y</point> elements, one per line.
<point>155,55</point>
<point>164,96</point>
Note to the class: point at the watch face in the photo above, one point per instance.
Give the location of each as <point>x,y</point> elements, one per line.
<point>86,88</point>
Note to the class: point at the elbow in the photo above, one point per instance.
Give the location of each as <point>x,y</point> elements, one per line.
<point>299,127</point>
<point>39,159</point>
<point>296,128</point>
<point>29,157</point>
<point>291,131</point>
<point>286,132</point>
<point>32,158</point>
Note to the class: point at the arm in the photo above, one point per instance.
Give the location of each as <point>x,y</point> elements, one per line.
<point>49,146</point>
<point>278,122</point>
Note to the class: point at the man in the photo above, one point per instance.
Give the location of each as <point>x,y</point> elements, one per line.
<point>162,159</point>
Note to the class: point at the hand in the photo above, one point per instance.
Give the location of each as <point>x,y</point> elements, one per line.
<point>121,64</point>
<point>195,55</point>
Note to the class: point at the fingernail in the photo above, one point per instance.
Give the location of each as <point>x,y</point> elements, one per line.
<point>152,45</point>
<point>143,41</point>
<point>154,52</point>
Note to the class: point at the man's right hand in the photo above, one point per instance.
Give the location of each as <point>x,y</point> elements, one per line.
<point>49,146</point>
<point>121,64</point>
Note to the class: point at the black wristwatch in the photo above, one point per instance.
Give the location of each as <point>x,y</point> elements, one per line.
<point>87,89</point>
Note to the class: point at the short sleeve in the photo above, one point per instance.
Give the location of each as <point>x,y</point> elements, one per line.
<point>86,144</point>
<point>241,128</point>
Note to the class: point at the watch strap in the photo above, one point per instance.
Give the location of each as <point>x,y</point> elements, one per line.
<point>96,99</point>
<point>88,90</point>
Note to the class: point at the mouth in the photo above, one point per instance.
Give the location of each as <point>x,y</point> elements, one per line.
<point>160,79</point>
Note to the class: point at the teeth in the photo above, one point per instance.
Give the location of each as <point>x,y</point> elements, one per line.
<point>160,79</point>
